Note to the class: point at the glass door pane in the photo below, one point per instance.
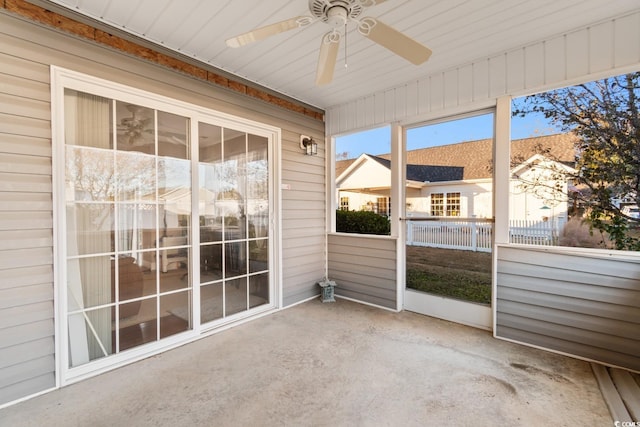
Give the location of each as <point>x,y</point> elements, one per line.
<point>128,209</point>
<point>234,221</point>
<point>129,225</point>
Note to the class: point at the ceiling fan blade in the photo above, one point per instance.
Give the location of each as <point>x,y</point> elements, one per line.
<point>328,56</point>
<point>394,40</point>
<point>269,30</point>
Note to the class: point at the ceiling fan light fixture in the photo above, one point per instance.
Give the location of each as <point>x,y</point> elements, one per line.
<point>337,16</point>
<point>321,9</point>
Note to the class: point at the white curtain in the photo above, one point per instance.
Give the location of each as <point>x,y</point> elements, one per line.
<point>87,123</point>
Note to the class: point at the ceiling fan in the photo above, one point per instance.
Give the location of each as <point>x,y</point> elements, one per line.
<point>139,128</point>
<point>337,14</point>
<point>133,128</point>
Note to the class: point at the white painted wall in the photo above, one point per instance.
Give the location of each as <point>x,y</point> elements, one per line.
<point>366,173</point>
<point>476,197</point>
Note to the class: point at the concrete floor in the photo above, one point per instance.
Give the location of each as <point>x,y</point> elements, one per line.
<point>335,364</point>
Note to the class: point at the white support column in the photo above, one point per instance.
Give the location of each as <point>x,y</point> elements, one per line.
<point>501,177</point>
<point>397,207</point>
<point>396,178</point>
<point>501,170</point>
<point>331,195</point>
<point>332,192</point>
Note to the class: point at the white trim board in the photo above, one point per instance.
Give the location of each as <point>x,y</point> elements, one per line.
<point>60,80</point>
<point>467,313</point>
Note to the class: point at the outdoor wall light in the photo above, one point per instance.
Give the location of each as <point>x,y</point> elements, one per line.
<point>309,146</point>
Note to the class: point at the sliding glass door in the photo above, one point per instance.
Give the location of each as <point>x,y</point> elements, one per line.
<point>166,228</point>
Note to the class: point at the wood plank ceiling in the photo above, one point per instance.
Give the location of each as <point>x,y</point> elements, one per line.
<point>458,32</point>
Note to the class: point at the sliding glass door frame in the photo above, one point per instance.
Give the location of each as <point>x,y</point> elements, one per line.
<point>62,80</point>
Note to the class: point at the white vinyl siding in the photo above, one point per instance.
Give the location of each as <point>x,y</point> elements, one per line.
<point>364,268</point>
<point>26,236</point>
<point>27,50</point>
<point>303,213</point>
<point>585,303</point>
<point>558,61</point>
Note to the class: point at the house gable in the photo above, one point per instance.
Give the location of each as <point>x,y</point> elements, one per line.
<point>365,172</point>
<point>539,164</point>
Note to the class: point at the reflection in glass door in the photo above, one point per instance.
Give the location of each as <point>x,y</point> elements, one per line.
<point>165,223</point>
<point>128,210</point>
<point>449,211</point>
<point>234,222</point>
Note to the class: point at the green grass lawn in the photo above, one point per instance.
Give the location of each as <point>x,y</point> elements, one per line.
<point>457,274</point>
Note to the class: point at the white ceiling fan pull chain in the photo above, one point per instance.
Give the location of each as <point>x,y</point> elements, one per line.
<point>345,46</point>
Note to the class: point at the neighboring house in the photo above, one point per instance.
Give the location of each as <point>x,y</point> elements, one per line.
<point>456,180</point>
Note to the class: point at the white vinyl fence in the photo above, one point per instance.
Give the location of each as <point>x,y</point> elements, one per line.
<point>472,234</point>
<point>543,233</point>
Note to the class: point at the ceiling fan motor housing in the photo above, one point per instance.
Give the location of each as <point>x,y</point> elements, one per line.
<point>335,12</point>
<point>337,16</point>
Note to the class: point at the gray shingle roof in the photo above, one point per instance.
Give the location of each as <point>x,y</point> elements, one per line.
<point>427,173</point>
<point>474,159</point>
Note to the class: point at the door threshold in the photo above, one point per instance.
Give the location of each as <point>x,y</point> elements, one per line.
<point>463,312</point>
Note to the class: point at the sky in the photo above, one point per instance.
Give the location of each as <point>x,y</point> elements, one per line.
<point>378,141</point>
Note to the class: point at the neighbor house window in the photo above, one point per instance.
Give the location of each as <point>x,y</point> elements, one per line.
<point>453,204</point>
<point>382,206</point>
<point>445,204</point>
<point>437,204</point>
<point>344,203</point>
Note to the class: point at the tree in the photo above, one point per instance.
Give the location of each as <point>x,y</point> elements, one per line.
<point>344,155</point>
<point>604,115</point>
